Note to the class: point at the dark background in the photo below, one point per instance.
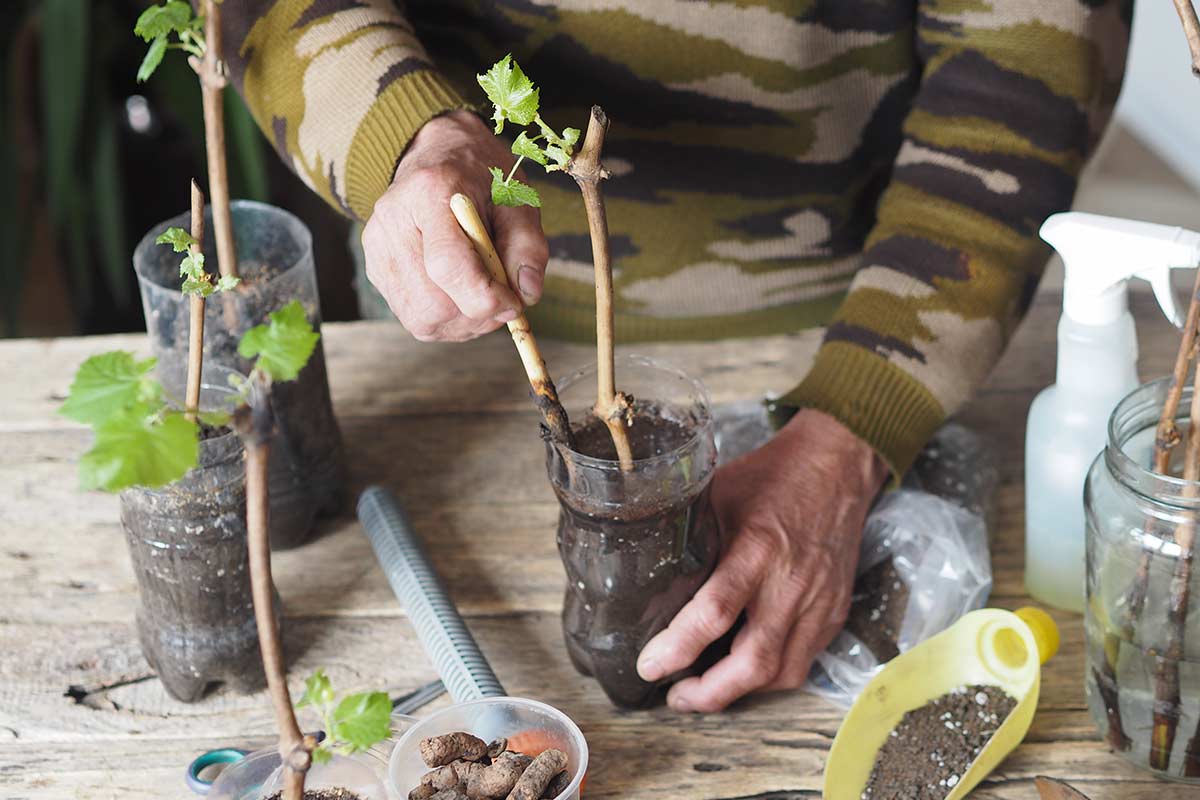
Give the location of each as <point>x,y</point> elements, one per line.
<point>90,160</point>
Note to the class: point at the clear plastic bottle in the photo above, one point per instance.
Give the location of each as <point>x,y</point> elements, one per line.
<point>1097,366</point>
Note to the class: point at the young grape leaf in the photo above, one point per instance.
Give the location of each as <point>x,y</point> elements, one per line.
<point>283,346</point>
<point>140,447</point>
<point>559,156</point>
<point>200,286</point>
<point>318,690</point>
<point>179,239</point>
<point>215,419</point>
<point>321,755</point>
<point>569,137</point>
<point>228,282</point>
<point>153,58</point>
<point>512,192</point>
<point>514,96</point>
<point>524,146</point>
<point>174,16</point>
<point>362,720</point>
<point>106,384</point>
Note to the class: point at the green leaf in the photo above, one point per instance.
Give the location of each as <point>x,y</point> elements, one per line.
<point>569,137</point>
<point>227,282</point>
<point>215,419</point>
<point>153,58</point>
<point>362,720</point>
<point>321,755</point>
<point>512,94</point>
<point>318,690</point>
<point>524,146</point>
<point>158,21</point>
<point>179,239</point>
<point>107,384</point>
<point>283,346</point>
<point>140,447</point>
<point>559,156</point>
<point>512,192</point>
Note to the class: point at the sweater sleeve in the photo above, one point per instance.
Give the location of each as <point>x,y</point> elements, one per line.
<point>1012,98</point>
<point>338,86</point>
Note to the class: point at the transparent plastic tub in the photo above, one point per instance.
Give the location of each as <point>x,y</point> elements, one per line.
<point>259,776</point>
<point>489,718</point>
<point>275,261</point>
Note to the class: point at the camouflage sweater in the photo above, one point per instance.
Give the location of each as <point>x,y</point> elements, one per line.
<point>876,167</point>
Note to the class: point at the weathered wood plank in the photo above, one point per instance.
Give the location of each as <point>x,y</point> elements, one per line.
<point>80,715</point>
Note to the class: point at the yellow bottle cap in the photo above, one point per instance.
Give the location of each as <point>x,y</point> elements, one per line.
<point>1044,631</point>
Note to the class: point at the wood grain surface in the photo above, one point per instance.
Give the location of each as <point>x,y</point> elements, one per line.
<point>451,430</point>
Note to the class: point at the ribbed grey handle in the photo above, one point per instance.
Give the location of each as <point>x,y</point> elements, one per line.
<point>442,632</point>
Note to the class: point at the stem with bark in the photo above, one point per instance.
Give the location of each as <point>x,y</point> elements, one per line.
<point>611,406</point>
<point>211,71</point>
<point>254,423</point>
<point>545,395</point>
<point>195,364</point>
<point>1191,29</point>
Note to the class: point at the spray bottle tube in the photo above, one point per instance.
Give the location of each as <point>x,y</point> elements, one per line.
<point>1097,366</point>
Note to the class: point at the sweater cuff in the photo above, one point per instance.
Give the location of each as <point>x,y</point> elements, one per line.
<point>394,119</point>
<point>877,401</point>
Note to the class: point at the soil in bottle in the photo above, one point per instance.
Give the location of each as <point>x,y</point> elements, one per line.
<point>631,565</point>
<point>877,609</point>
<point>929,752</point>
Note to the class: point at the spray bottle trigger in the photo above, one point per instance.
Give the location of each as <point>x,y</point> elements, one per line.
<point>1160,282</point>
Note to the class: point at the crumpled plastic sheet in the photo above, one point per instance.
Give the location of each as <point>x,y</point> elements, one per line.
<point>934,529</point>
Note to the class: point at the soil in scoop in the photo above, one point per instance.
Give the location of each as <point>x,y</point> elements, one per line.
<point>631,569</point>
<point>877,609</point>
<point>928,753</point>
<point>321,794</point>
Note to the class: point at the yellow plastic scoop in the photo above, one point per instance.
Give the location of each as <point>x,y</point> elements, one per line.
<point>991,647</point>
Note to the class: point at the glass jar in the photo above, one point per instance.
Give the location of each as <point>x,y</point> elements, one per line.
<point>1143,663</point>
<point>636,545</point>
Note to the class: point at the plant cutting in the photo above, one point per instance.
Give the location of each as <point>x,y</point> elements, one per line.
<point>632,472</point>
<point>1141,559</point>
<point>173,26</point>
<point>271,252</point>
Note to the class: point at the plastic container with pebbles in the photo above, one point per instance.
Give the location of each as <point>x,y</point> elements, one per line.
<point>482,707</point>
<point>985,667</point>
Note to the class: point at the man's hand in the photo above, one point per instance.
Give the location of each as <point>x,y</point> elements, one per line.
<point>792,514</point>
<point>419,259</point>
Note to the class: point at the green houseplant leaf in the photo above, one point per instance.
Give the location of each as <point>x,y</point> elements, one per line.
<point>283,345</point>
<point>361,720</point>
<point>514,96</point>
<point>107,384</point>
<point>140,446</point>
<point>512,192</point>
<point>318,690</point>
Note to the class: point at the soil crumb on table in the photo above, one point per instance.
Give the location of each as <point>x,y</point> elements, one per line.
<point>321,794</point>
<point>928,753</point>
<point>877,609</point>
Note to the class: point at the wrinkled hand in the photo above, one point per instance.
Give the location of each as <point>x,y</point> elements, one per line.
<point>421,261</point>
<point>791,514</point>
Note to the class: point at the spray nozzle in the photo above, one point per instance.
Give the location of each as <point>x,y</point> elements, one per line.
<point>1102,253</point>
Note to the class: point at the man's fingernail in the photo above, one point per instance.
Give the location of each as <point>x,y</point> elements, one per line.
<point>529,281</point>
<point>649,669</point>
<point>506,316</point>
<point>681,705</point>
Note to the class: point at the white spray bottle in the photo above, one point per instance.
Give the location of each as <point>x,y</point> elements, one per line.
<point>1097,366</point>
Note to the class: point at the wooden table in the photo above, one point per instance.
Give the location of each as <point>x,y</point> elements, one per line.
<point>451,431</point>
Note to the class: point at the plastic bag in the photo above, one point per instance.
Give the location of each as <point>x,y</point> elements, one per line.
<point>924,564</point>
<point>924,558</point>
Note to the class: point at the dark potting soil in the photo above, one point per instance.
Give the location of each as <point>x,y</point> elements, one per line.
<point>651,434</point>
<point>928,753</point>
<point>631,568</point>
<point>877,609</point>
<point>212,431</point>
<point>321,794</point>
